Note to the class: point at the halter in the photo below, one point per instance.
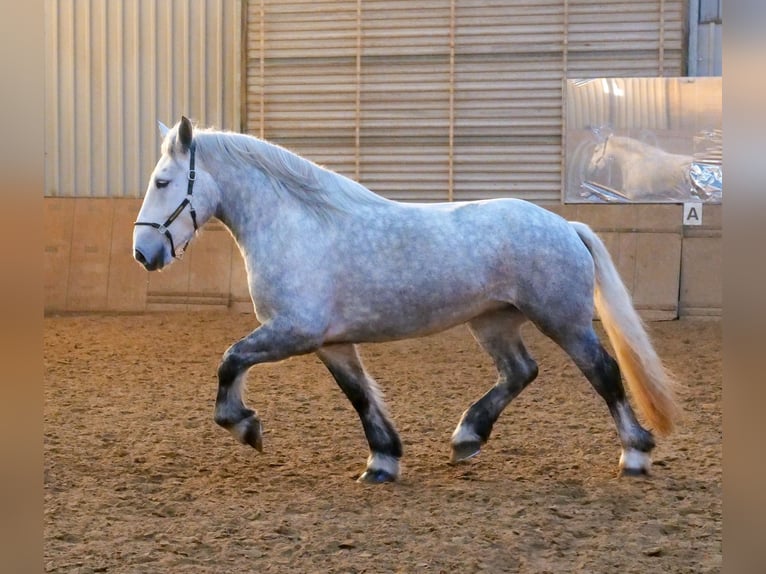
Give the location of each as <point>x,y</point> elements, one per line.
<point>163,227</point>
<point>603,153</point>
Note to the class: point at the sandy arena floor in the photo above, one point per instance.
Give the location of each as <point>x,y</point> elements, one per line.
<point>138,478</point>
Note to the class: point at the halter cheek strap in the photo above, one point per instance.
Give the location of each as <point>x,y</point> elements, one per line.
<point>606,143</point>
<point>163,227</point>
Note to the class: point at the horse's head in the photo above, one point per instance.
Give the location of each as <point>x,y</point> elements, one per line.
<point>180,198</point>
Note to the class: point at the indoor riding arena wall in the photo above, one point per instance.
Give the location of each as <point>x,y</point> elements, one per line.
<point>671,270</point>
<point>419,101</point>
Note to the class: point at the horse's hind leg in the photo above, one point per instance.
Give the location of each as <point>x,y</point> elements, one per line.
<point>385,447</point>
<point>498,333</point>
<point>604,374</point>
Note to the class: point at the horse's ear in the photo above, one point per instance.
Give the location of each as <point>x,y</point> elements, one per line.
<point>163,129</point>
<point>185,131</point>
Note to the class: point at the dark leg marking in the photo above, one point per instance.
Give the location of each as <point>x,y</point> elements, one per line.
<point>385,445</point>
<point>498,333</point>
<point>603,372</point>
<point>270,342</point>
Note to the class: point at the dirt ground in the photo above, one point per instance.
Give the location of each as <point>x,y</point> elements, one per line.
<point>138,478</point>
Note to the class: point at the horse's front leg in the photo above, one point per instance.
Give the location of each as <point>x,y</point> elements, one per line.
<point>270,342</point>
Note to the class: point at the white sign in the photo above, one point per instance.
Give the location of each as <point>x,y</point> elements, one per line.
<point>693,213</point>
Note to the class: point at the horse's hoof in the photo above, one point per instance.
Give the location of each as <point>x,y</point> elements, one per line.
<point>634,472</point>
<point>253,433</point>
<point>464,451</point>
<point>634,463</point>
<point>376,477</point>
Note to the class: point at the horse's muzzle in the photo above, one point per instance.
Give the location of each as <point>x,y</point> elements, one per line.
<point>149,265</point>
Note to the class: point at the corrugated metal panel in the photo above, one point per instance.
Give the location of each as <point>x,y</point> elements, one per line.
<point>114,68</point>
<point>438,100</point>
<point>705,38</point>
<point>710,49</point>
<point>642,103</point>
<point>710,11</point>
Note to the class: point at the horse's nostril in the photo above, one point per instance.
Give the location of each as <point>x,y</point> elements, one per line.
<point>139,257</point>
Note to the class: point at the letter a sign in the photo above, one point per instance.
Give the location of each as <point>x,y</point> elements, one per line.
<point>693,213</point>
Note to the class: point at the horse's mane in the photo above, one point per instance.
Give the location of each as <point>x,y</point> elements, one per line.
<point>319,188</point>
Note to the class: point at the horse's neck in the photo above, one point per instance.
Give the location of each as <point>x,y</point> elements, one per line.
<point>247,201</point>
<point>273,189</point>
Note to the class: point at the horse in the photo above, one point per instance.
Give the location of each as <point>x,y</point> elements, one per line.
<point>647,172</point>
<point>330,265</point>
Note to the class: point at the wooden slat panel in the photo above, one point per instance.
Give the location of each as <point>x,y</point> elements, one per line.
<point>405,98</point>
<point>531,26</point>
<point>508,97</point>
<point>404,28</point>
<point>514,168</point>
<point>318,29</point>
<point>301,98</point>
<point>603,65</point>
<point>383,88</point>
<point>624,27</point>
<point>415,168</point>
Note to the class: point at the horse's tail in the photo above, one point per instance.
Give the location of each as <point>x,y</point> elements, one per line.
<point>650,383</point>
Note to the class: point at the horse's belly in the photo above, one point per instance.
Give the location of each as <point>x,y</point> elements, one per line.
<point>401,315</point>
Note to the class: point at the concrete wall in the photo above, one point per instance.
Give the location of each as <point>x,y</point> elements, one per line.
<point>671,270</point>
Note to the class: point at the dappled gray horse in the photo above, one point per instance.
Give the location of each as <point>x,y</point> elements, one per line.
<point>331,264</point>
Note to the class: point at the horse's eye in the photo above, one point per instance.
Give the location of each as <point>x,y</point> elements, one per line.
<point>160,183</point>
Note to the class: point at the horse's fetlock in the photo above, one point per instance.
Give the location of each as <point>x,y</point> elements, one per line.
<point>644,442</point>
<point>229,369</point>
<point>633,462</point>
<point>228,417</point>
<point>383,463</point>
<point>478,422</point>
<point>466,433</point>
<point>532,371</point>
<point>223,420</point>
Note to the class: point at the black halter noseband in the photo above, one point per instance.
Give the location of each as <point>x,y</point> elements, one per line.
<point>163,227</point>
